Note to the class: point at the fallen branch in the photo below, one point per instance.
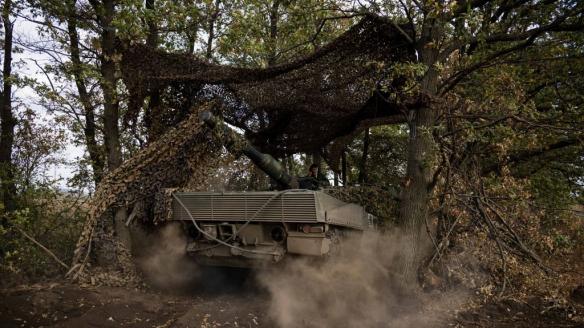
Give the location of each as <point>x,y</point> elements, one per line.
<point>42,247</point>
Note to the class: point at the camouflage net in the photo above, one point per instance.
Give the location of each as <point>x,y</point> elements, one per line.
<point>301,106</point>
<point>184,156</point>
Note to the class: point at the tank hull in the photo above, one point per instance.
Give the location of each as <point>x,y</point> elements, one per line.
<point>248,229</point>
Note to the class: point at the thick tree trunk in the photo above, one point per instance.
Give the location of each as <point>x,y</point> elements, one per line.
<point>93,148</point>
<point>8,121</point>
<point>123,232</point>
<point>105,12</point>
<point>415,194</point>
<point>108,84</point>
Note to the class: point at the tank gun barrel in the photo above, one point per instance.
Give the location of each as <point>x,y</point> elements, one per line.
<point>235,143</point>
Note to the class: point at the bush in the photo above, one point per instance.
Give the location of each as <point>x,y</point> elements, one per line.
<point>52,218</point>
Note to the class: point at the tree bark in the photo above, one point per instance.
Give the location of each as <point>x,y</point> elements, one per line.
<point>105,12</point>
<point>89,130</point>
<point>8,121</point>
<point>415,194</point>
<point>191,31</point>
<point>213,15</point>
<point>273,32</point>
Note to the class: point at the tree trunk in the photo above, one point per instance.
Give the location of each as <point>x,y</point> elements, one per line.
<point>363,164</point>
<point>273,32</point>
<point>108,84</point>
<point>213,15</point>
<point>89,130</point>
<point>105,13</point>
<point>152,36</point>
<point>191,32</point>
<point>8,121</point>
<point>415,194</point>
<point>123,232</point>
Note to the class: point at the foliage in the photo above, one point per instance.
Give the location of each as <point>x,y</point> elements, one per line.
<point>53,219</point>
<point>385,165</point>
<point>37,149</point>
<point>263,33</point>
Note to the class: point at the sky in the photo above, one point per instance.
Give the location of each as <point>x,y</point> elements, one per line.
<point>24,65</point>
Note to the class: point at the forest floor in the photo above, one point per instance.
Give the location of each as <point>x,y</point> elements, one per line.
<point>239,303</point>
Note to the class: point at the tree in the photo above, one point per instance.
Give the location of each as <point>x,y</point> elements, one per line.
<point>71,61</point>
<point>104,12</point>
<point>7,119</point>
<point>267,32</point>
<point>89,130</point>
<point>36,150</point>
<point>98,20</point>
<point>453,40</point>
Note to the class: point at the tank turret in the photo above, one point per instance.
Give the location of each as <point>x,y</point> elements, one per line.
<point>237,144</point>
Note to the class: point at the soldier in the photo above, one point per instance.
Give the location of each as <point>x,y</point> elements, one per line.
<point>313,171</point>
<point>314,180</point>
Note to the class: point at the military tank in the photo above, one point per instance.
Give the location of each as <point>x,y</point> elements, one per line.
<point>249,229</point>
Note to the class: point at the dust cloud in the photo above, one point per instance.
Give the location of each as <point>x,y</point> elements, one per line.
<point>358,288</point>
<point>164,263</point>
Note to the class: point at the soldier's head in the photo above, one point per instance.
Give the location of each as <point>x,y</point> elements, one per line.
<point>313,170</point>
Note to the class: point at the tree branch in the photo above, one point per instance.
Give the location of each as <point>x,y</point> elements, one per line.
<point>27,236</point>
<point>529,154</point>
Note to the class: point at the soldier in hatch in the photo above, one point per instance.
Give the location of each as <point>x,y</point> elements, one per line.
<point>314,180</point>
<point>313,171</point>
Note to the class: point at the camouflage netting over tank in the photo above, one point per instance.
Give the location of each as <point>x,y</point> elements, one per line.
<point>301,106</point>
<point>184,156</point>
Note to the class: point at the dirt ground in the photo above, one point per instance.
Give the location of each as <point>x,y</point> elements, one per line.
<point>61,304</point>
<point>238,303</point>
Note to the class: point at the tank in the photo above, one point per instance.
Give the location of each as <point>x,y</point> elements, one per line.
<point>248,229</point>
<point>236,144</point>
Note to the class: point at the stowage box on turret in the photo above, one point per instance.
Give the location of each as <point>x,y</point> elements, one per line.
<point>245,229</point>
